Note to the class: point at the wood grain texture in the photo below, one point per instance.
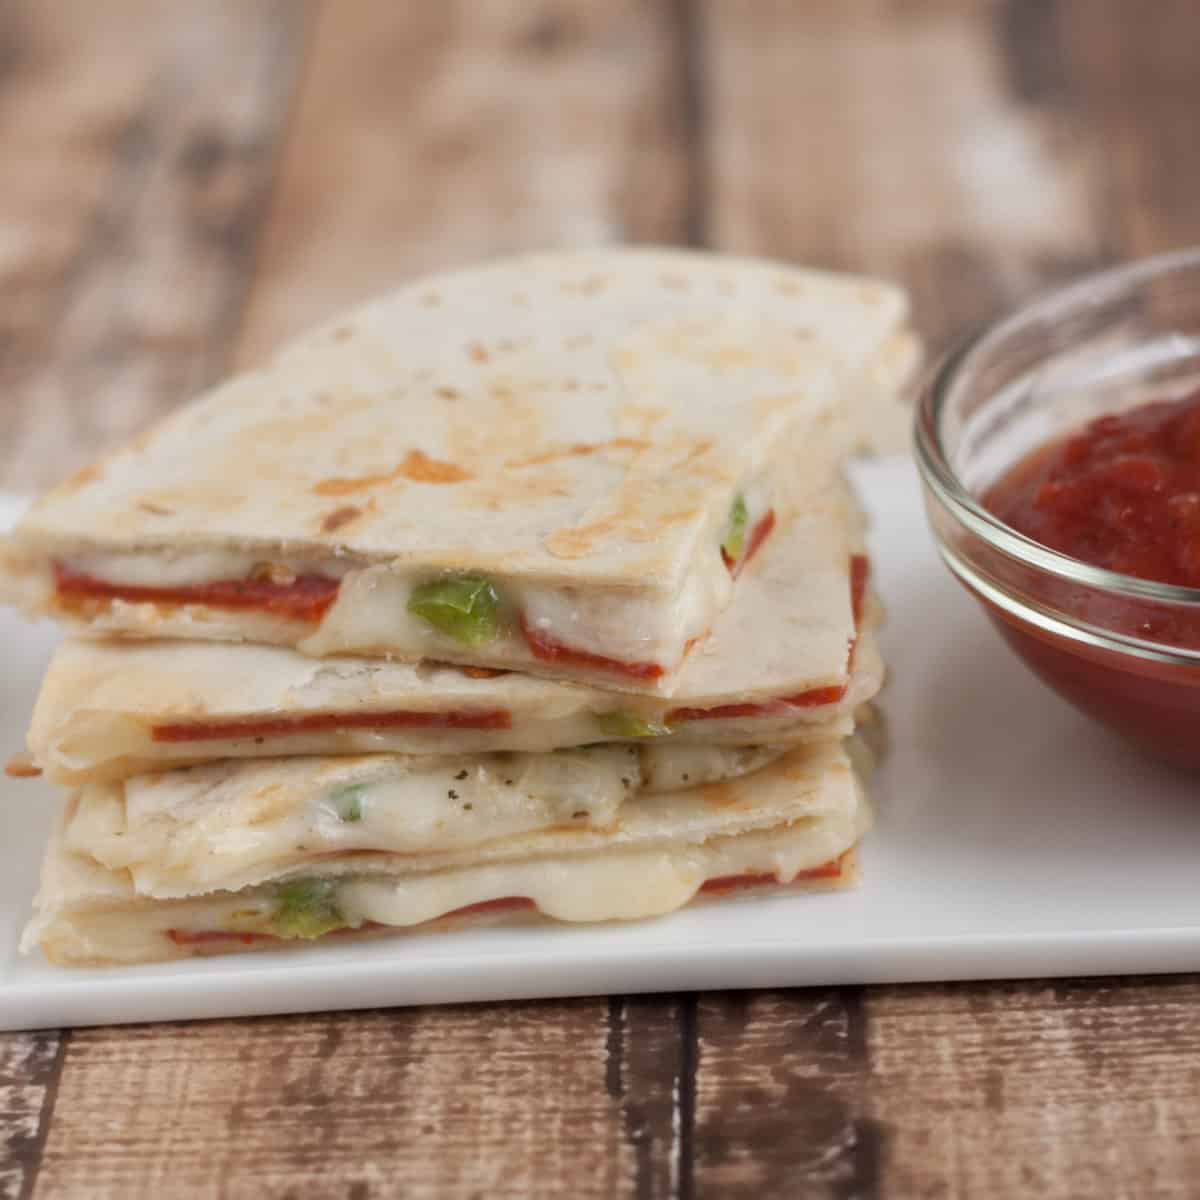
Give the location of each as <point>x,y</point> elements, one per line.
<point>497,1101</point>
<point>779,1097</point>
<point>29,1072</point>
<point>649,1074</point>
<point>1079,1089</point>
<point>138,140</point>
<point>432,135</point>
<point>1136,71</point>
<point>933,141</point>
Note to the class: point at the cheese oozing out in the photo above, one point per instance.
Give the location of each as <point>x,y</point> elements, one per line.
<point>642,633</point>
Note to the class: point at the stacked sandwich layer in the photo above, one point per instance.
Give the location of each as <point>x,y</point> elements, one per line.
<point>533,590</point>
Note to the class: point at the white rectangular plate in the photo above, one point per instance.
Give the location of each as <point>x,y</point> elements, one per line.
<point>1013,839</point>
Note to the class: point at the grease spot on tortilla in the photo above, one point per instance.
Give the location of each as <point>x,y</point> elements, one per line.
<point>343,333</point>
<point>340,517</point>
<point>157,510</point>
<point>476,353</point>
<point>447,393</point>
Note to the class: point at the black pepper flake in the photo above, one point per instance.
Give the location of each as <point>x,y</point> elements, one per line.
<point>452,794</point>
<point>686,777</point>
<point>508,783</point>
<point>259,741</point>
<point>580,814</point>
<point>462,774</point>
<point>625,781</point>
<point>468,807</point>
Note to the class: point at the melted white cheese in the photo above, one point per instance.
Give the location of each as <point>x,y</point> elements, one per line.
<point>600,888</point>
<point>610,887</point>
<point>370,613</point>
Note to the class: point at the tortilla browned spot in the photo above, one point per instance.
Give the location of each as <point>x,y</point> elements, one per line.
<point>417,466</point>
<point>580,450</point>
<point>420,468</point>
<point>339,517</point>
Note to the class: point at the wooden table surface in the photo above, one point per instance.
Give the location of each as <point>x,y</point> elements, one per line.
<point>184,183</point>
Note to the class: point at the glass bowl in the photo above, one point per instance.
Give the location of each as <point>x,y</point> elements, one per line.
<point>1124,650</point>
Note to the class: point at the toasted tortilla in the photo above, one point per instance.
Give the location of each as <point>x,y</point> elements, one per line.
<point>575,428</point>
<point>105,902</point>
<point>775,668</point>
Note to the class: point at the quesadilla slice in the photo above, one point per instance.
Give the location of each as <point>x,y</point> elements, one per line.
<point>252,856</point>
<point>788,661</point>
<point>558,464</point>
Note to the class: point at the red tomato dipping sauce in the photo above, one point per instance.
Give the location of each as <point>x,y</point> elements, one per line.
<point>1123,494</point>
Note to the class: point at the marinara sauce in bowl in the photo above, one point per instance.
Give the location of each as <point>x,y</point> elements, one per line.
<point>1060,455</point>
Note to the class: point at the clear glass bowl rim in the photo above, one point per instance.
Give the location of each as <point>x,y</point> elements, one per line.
<point>933,463</point>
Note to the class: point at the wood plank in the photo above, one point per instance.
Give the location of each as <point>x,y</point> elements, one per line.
<point>139,137</point>
<point>1136,71</point>
<point>779,1097</point>
<point>29,1071</point>
<point>1085,1088</point>
<point>933,141</point>
<point>497,1101</point>
<point>429,136</point>
<point>647,1075</point>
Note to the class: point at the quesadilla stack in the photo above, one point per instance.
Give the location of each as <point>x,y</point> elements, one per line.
<point>533,589</point>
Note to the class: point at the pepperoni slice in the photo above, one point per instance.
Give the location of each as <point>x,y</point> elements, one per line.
<point>493,718</point>
<point>306,598</point>
<point>549,649</point>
